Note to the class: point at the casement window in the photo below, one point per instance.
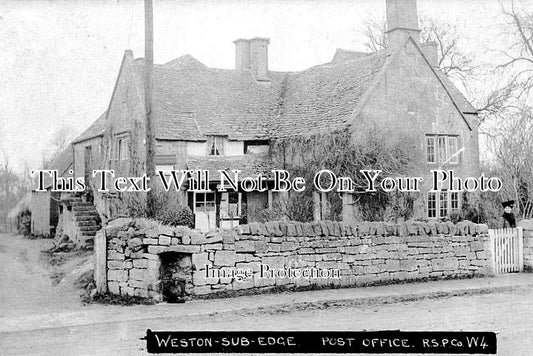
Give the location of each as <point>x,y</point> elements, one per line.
<point>215,145</point>
<point>204,201</point>
<point>452,149</point>
<point>442,204</point>
<point>122,146</point>
<point>442,149</point>
<point>430,149</point>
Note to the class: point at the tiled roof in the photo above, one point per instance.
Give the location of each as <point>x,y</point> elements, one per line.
<point>63,162</point>
<point>250,165</point>
<point>323,98</point>
<point>23,204</point>
<point>342,55</point>
<point>463,104</point>
<point>191,101</point>
<point>96,129</point>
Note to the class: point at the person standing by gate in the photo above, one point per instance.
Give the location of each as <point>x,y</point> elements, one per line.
<point>508,216</point>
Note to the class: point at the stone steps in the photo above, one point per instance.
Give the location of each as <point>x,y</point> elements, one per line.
<point>88,221</point>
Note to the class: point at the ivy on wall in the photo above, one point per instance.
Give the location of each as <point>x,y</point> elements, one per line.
<point>346,154</point>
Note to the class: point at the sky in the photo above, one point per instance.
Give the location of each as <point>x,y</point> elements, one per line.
<point>60,59</point>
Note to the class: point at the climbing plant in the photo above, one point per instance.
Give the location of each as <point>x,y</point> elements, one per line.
<point>346,155</point>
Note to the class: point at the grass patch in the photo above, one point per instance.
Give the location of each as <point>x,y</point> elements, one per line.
<point>111,299</point>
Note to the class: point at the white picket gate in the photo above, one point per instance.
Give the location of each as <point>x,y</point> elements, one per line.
<point>507,250</point>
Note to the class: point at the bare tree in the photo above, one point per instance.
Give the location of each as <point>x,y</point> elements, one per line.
<point>452,61</point>
<point>11,187</point>
<point>62,138</point>
<point>374,30</point>
<point>513,149</point>
<point>520,52</point>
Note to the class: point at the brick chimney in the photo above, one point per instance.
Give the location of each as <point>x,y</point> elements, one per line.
<point>402,22</point>
<point>431,52</point>
<point>252,54</point>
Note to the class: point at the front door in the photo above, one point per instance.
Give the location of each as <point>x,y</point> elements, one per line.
<point>205,211</point>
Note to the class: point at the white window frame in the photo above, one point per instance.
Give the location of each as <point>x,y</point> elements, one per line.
<point>452,149</point>
<point>433,145</point>
<point>443,147</point>
<point>207,205</point>
<point>441,204</point>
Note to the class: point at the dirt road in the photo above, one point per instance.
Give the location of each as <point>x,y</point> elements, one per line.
<point>25,279</point>
<point>509,314</point>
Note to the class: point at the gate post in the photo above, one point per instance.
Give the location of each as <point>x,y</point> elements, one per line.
<point>100,268</point>
<point>490,246</point>
<point>520,232</point>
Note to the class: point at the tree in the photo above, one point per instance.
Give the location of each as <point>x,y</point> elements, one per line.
<point>520,52</point>
<point>511,81</point>
<point>513,148</point>
<point>12,188</point>
<point>452,61</point>
<point>61,138</point>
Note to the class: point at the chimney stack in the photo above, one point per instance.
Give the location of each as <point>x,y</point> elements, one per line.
<point>431,52</point>
<point>242,54</point>
<point>402,22</point>
<point>252,55</point>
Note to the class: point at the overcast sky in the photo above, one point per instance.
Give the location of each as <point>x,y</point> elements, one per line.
<point>60,59</point>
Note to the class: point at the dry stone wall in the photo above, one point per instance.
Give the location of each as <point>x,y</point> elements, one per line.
<point>261,256</point>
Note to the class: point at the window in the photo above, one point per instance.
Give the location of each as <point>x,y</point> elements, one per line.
<point>443,204</point>
<point>215,145</point>
<point>454,202</point>
<point>256,146</point>
<point>122,148</point>
<point>230,205</point>
<point>452,149</point>
<point>432,205</point>
<point>204,201</point>
<point>430,142</point>
<point>442,149</point>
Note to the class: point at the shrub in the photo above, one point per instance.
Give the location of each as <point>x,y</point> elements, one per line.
<point>165,207</point>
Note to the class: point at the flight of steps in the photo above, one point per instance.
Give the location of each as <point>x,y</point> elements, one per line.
<point>87,220</point>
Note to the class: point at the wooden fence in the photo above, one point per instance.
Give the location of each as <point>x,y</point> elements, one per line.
<point>507,250</point>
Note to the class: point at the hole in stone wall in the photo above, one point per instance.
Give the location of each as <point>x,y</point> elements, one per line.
<point>176,276</point>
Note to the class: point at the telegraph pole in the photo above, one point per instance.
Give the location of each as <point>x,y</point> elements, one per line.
<point>148,88</point>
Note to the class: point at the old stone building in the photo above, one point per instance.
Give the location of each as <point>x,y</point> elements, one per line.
<point>209,118</point>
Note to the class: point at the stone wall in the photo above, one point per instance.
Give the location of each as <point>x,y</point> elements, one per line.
<point>354,255</point>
